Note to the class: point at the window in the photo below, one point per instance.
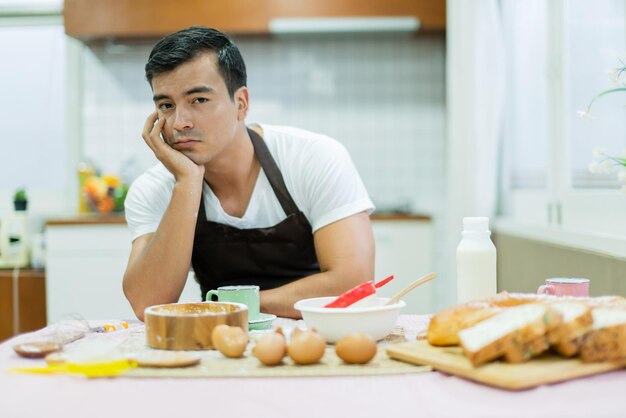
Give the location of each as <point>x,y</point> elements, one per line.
<point>591,53</point>
<point>34,138</point>
<point>558,56</point>
<point>526,115</point>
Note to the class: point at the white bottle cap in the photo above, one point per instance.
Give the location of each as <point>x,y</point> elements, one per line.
<point>478,224</point>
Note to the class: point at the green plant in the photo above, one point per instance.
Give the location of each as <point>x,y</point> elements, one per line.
<point>615,75</point>
<point>20,195</point>
<point>604,163</point>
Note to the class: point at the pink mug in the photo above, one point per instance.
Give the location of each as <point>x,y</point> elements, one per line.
<point>561,286</point>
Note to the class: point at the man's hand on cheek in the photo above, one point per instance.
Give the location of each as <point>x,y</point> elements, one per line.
<point>180,165</point>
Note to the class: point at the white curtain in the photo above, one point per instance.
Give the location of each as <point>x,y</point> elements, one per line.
<point>475,98</point>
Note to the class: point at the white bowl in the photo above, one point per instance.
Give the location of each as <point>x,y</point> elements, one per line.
<point>371,317</point>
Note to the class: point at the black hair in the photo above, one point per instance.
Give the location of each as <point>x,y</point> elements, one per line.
<point>184,45</point>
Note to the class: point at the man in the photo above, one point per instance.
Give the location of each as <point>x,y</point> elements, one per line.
<point>274,206</point>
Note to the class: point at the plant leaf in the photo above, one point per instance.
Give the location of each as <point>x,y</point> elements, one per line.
<point>604,93</point>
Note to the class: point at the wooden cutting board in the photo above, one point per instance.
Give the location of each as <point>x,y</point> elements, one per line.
<point>539,371</point>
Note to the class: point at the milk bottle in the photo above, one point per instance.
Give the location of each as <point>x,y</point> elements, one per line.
<point>476,261</point>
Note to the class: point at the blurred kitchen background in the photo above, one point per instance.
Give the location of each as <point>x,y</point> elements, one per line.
<point>448,109</point>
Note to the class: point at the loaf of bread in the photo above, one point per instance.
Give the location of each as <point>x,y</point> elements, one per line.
<point>518,327</point>
<point>444,327</point>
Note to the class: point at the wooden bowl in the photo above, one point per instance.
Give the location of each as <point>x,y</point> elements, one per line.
<point>188,326</point>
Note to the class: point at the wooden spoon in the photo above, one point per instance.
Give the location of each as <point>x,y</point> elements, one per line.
<point>426,278</point>
<point>37,349</point>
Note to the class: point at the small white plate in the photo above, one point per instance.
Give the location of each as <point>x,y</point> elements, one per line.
<point>264,321</point>
<point>159,358</point>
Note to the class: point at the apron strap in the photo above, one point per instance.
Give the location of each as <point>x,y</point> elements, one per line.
<point>202,211</point>
<point>273,173</point>
<point>269,166</point>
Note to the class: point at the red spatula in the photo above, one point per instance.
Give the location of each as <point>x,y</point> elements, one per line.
<point>357,293</point>
<point>383,282</point>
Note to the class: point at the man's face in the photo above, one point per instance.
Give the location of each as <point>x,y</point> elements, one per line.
<point>201,119</point>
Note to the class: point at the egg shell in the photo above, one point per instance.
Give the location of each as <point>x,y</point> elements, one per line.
<point>230,341</point>
<point>306,347</point>
<point>356,348</point>
<point>270,349</point>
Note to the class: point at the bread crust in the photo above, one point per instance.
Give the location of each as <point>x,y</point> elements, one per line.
<point>568,348</point>
<point>444,327</point>
<point>520,353</point>
<point>605,344</point>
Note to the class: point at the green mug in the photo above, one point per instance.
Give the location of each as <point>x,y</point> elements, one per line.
<point>246,294</point>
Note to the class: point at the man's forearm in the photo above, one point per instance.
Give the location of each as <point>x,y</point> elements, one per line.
<point>157,271</point>
<point>280,300</point>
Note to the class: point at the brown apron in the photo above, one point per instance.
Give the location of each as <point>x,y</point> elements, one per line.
<point>268,257</point>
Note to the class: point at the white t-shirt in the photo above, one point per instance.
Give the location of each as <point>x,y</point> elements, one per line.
<point>318,172</point>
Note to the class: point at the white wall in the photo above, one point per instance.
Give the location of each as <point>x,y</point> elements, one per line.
<point>380,95</point>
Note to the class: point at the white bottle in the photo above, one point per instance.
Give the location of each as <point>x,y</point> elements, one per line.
<point>475,261</point>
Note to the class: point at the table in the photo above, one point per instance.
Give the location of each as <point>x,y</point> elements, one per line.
<point>411,395</point>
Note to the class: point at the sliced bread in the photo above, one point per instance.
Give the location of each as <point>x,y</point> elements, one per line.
<point>607,339</point>
<point>575,322</point>
<point>524,349</point>
<point>520,353</point>
<point>507,331</point>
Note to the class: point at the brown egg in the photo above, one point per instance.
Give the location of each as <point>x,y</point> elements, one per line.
<point>356,348</point>
<point>306,347</point>
<point>230,341</point>
<point>271,348</point>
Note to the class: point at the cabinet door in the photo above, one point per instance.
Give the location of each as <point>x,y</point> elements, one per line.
<point>405,249</point>
<point>29,313</point>
<point>85,265</point>
<point>88,19</point>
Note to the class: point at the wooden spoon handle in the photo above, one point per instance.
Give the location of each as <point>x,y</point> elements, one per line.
<point>426,278</point>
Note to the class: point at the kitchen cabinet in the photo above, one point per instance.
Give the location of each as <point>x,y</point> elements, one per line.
<point>100,19</point>
<point>22,310</point>
<point>85,264</point>
<point>404,248</point>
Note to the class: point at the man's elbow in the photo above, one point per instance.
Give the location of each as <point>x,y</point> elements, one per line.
<point>136,304</point>
<point>138,309</point>
<point>139,314</point>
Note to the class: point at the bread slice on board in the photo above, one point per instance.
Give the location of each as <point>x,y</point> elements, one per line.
<point>607,339</point>
<point>566,338</point>
<point>523,350</point>
<point>509,331</point>
<point>520,353</point>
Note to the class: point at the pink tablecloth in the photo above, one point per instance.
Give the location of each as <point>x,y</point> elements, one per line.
<point>414,395</point>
